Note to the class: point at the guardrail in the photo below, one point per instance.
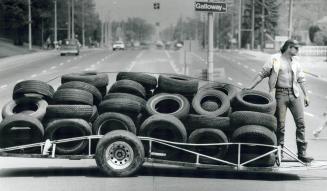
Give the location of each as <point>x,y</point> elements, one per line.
<point>313,51</point>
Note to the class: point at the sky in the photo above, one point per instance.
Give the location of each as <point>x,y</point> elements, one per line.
<point>170,10</point>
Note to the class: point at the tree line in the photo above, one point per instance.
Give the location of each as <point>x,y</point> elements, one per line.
<point>14,20</point>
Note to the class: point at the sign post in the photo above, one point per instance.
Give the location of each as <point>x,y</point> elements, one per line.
<point>210,7</point>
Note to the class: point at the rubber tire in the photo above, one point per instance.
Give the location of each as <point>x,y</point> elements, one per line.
<point>149,82</point>
<point>20,120</point>
<point>153,105</point>
<point>127,137</point>
<point>201,96</point>
<point>128,86</point>
<point>209,135</point>
<point>11,107</point>
<point>195,122</point>
<point>95,114</point>
<point>121,105</point>
<point>125,123</point>
<point>252,100</point>
<point>229,89</point>
<point>127,96</point>
<point>254,134</point>
<point>95,79</point>
<point>242,118</point>
<point>33,87</point>
<point>178,84</point>
<point>97,97</point>
<point>73,96</point>
<point>70,111</point>
<point>79,125</point>
<point>166,122</point>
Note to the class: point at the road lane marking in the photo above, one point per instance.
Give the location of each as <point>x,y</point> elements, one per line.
<point>253,70</point>
<point>309,114</point>
<point>53,67</point>
<point>68,61</point>
<point>102,59</point>
<point>172,64</point>
<point>131,66</point>
<point>167,54</point>
<point>61,64</point>
<point>199,57</point>
<point>246,66</point>
<point>239,83</point>
<point>3,86</point>
<point>44,71</point>
<point>75,58</point>
<point>229,78</point>
<point>239,63</point>
<point>139,55</point>
<point>33,75</point>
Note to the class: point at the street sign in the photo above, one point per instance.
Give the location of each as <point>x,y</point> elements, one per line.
<point>210,6</point>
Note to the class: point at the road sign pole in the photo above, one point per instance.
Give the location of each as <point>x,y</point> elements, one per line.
<point>210,46</point>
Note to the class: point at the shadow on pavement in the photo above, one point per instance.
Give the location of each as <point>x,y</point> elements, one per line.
<point>148,171</point>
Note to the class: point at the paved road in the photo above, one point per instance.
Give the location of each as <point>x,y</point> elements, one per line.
<point>36,174</point>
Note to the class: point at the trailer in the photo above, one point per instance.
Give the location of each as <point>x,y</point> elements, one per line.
<point>121,153</point>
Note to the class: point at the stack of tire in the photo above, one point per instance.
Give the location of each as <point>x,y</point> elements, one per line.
<point>23,114</point>
<point>74,109</point>
<point>253,122</point>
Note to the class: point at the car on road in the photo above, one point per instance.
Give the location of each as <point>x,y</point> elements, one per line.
<point>118,45</point>
<point>70,46</point>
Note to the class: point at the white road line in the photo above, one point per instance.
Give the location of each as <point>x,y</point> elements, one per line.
<point>326,97</point>
<point>239,83</point>
<point>139,55</point>
<point>239,63</point>
<point>246,66</point>
<point>44,71</point>
<point>61,64</point>
<point>172,64</point>
<point>199,57</point>
<point>53,67</point>
<point>131,66</point>
<point>3,86</point>
<point>68,61</point>
<point>253,70</point>
<point>92,66</point>
<point>229,78</point>
<point>75,58</point>
<point>33,75</point>
<point>102,59</point>
<point>167,54</point>
<point>309,114</point>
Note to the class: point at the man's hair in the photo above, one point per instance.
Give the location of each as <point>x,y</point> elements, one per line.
<point>288,43</point>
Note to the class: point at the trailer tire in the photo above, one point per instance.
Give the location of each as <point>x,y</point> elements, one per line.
<point>164,103</point>
<point>97,97</point>
<point>127,96</point>
<point>206,136</point>
<point>253,100</point>
<point>36,107</point>
<point>211,95</point>
<point>73,96</point>
<point>195,122</point>
<point>20,120</point>
<point>33,87</point>
<point>68,128</point>
<point>149,82</point>
<point>119,154</point>
<point>228,89</point>
<point>178,84</point>
<point>111,121</point>
<point>242,118</point>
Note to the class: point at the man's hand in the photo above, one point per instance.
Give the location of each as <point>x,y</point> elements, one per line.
<point>306,101</point>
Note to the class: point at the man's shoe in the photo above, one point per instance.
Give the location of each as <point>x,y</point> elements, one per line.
<point>305,159</point>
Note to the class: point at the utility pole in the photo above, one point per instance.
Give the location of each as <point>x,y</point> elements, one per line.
<point>83,24</point>
<point>252,26</point>
<point>55,21</point>
<point>290,19</point>
<point>263,25</point>
<point>73,15</point>
<point>240,24</point>
<point>210,45</point>
<point>29,26</point>
<point>69,19</point>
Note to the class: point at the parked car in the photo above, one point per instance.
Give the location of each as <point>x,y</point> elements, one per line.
<point>118,45</point>
<point>70,46</point>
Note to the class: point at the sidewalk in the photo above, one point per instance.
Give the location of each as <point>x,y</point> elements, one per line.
<point>312,65</point>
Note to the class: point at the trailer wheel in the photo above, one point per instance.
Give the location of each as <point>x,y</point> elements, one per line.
<point>119,153</point>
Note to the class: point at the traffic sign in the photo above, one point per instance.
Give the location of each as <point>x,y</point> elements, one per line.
<point>210,6</point>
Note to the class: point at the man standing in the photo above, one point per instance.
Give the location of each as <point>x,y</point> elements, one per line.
<point>286,78</point>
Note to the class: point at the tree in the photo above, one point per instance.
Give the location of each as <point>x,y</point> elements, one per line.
<point>312,31</point>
